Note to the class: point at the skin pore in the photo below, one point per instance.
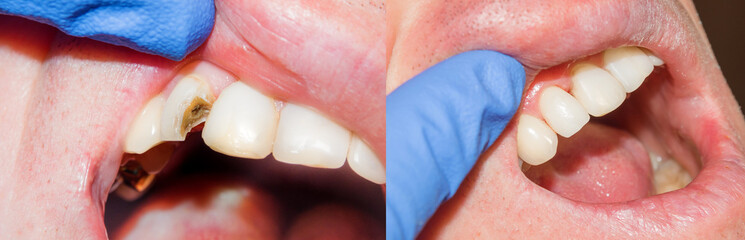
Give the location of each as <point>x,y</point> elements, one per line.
<point>497,201</point>
<point>73,99</point>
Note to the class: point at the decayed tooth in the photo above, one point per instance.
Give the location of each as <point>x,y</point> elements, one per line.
<point>364,162</point>
<point>653,58</point>
<point>598,91</point>
<point>135,181</point>
<point>241,123</point>
<point>562,112</point>
<point>186,107</point>
<point>629,65</point>
<point>308,138</point>
<point>536,142</point>
<point>144,133</point>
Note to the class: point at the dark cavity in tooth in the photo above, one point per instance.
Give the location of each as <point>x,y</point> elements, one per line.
<point>134,176</point>
<point>199,108</point>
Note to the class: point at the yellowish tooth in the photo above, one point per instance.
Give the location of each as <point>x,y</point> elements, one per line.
<point>364,161</point>
<point>144,132</point>
<point>186,107</point>
<point>308,138</point>
<point>242,123</point>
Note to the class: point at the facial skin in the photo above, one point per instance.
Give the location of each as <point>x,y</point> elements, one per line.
<point>686,111</point>
<point>71,100</point>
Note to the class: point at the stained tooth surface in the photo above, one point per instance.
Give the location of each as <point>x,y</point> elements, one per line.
<point>668,174</point>
<point>241,123</point>
<point>653,58</point>
<point>364,161</point>
<point>308,138</point>
<point>629,65</point>
<point>186,107</point>
<point>144,132</point>
<point>562,112</point>
<point>536,142</point>
<point>594,88</point>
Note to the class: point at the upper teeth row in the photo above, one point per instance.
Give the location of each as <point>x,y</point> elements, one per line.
<point>595,91</point>
<point>243,122</point>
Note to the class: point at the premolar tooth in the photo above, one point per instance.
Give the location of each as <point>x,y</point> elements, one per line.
<point>653,58</point>
<point>562,112</point>
<point>364,162</point>
<point>308,138</point>
<point>187,106</point>
<point>629,65</point>
<point>598,91</point>
<point>536,142</point>
<point>144,132</point>
<point>135,181</point>
<point>242,123</point>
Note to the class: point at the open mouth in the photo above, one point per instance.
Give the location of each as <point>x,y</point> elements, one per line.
<point>225,131</point>
<point>266,65</point>
<point>681,118</point>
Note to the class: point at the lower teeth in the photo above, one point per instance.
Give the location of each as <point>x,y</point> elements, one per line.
<point>668,174</point>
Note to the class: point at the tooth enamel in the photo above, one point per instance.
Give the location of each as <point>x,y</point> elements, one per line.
<point>364,162</point>
<point>652,58</point>
<point>598,91</point>
<point>628,65</point>
<point>308,138</point>
<point>562,112</point>
<point>670,176</point>
<point>241,123</point>
<point>186,107</point>
<point>144,132</point>
<point>536,142</point>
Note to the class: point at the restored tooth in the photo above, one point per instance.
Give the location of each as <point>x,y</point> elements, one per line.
<point>241,123</point>
<point>308,138</point>
<point>144,133</point>
<point>629,65</point>
<point>364,162</point>
<point>598,91</point>
<point>536,142</point>
<point>562,112</point>
<point>186,107</point>
<point>653,58</point>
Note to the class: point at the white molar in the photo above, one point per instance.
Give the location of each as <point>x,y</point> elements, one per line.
<point>364,162</point>
<point>186,107</point>
<point>653,58</point>
<point>598,91</point>
<point>536,142</point>
<point>629,65</point>
<point>562,112</point>
<point>144,132</point>
<point>308,138</point>
<point>241,123</point>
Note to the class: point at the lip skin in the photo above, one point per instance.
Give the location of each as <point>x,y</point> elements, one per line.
<point>73,99</point>
<point>689,102</point>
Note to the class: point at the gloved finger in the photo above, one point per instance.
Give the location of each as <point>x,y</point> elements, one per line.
<point>437,125</point>
<point>169,28</point>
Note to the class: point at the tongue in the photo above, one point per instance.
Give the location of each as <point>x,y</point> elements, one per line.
<point>599,164</point>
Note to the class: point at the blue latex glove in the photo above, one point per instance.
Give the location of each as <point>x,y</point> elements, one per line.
<point>437,125</point>
<point>169,28</point>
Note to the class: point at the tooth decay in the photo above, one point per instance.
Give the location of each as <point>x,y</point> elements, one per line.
<point>186,107</point>
<point>595,91</point>
<point>240,122</point>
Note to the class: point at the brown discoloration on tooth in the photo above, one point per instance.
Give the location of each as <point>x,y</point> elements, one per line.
<point>134,176</point>
<point>195,114</point>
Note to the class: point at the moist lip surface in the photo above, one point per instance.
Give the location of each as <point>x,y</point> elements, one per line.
<point>74,98</point>
<point>687,110</point>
